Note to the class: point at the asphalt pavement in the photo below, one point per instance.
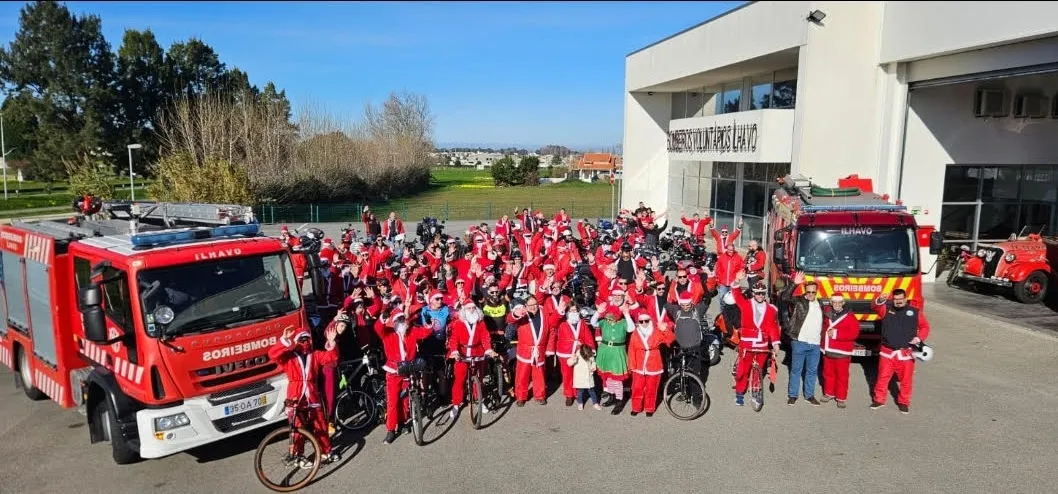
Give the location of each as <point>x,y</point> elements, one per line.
<point>981,421</point>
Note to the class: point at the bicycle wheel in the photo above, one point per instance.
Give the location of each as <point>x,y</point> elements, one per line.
<point>354,410</point>
<point>278,468</point>
<point>756,379</point>
<point>499,370</point>
<point>685,396</point>
<point>477,402</point>
<point>417,418</point>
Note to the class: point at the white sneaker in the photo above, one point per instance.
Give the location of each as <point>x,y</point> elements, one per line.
<point>454,413</point>
<point>485,408</point>
<point>597,406</point>
<point>580,406</point>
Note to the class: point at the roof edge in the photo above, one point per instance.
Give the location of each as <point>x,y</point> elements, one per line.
<point>696,26</point>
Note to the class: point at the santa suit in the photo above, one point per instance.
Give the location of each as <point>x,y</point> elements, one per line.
<point>562,219</point>
<point>754,266</point>
<point>392,228</point>
<point>727,266</point>
<point>646,366</point>
<point>533,346</point>
<point>568,340</point>
<point>692,286</point>
<point>722,241</point>
<point>397,348</point>
<point>465,340</point>
<point>899,327</point>
<point>502,228</point>
<point>697,227</point>
<point>758,331</point>
<point>837,351</point>
<point>303,373</point>
<point>650,305</point>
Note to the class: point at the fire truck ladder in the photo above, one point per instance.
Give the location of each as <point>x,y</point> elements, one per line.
<point>172,214</point>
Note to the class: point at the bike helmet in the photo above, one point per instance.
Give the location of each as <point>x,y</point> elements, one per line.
<point>922,352</point>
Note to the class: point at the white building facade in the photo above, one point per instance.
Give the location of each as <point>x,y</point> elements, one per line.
<point>951,107</point>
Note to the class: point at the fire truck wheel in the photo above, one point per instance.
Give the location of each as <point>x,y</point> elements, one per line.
<point>109,426</point>
<point>1032,289</point>
<point>25,374</point>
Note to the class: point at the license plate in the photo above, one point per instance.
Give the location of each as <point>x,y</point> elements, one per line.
<point>246,405</point>
<point>860,352</point>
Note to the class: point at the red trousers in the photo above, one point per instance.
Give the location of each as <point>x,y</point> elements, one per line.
<point>330,385</point>
<point>522,373</point>
<point>317,424</point>
<point>645,392</point>
<point>745,363</point>
<point>904,370</point>
<point>836,377</point>
<point>567,378</point>
<point>396,408</point>
<point>459,382</point>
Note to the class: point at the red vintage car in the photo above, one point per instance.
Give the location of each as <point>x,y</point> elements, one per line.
<point>1020,264</point>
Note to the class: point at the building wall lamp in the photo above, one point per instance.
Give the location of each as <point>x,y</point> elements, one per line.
<point>816,16</point>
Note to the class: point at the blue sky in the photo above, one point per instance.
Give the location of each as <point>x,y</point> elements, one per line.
<point>525,73</point>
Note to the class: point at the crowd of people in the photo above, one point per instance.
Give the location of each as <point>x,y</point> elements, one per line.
<point>514,282</point>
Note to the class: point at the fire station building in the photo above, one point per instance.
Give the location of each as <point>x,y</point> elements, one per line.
<point>951,107</point>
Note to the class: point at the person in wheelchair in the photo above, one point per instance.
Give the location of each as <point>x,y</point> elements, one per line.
<point>688,318</point>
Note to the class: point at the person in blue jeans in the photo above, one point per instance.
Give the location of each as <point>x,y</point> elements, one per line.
<point>805,331</point>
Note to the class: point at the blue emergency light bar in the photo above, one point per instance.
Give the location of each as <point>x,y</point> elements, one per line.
<point>853,207</point>
<point>154,239</point>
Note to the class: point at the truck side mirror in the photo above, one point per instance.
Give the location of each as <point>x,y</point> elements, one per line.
<point>936,243</point>
<point>90,299</point>
<point>778,254</point>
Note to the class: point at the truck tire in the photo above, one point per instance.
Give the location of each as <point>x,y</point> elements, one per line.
<point>1032,289</point>
<point>25,374</point>
<point>106,417</point>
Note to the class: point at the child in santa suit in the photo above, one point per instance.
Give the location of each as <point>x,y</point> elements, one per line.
<point>303,365</point>
<point>644,360</point>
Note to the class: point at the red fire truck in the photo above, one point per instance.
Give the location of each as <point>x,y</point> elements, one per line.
<point>153,319</point>
<point>850,241</point>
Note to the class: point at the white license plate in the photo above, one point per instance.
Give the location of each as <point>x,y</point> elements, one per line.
<point>246,405</point>
<point>860,352</point>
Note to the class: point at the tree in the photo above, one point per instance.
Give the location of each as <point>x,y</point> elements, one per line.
<point>556,160</point>
<point>193,68</point>
<point>141,77</point>
<point>529,166</point>
<point>61,70</point>
<point>505,172</point>
<point>90,176</point>
<point>181,179</point>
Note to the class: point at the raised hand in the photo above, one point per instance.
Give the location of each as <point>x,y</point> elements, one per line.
<point>799,278</point>
<point>331,334</point>
<point>288,332</point>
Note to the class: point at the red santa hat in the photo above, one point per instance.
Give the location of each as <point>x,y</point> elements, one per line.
<point>284,230</point>
<point>328,242</point>
<point>393,315</point>
<point>685,298</point>
<point>304,333</point>
<point>549,266</point>
<point>566,231</point>
<point>436,294</point>
<point>326,254</point>
<point>723,228</point>
<point>470,305</point>
<point>617,292</point>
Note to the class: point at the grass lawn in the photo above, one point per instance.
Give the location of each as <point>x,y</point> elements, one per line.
<point>458,194</point>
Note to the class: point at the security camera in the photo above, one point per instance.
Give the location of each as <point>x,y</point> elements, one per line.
<point>650,93</point>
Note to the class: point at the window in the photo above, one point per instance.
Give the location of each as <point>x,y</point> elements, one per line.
<point>724,195</point>
<point>14,291</point>
<point>957,221</point>
<point>883,251</point>
<point>1000,183</point>
<point>762,90</point>
<point>725,170</point>
<point>730,99</point>
<point>82,271</point>
<point>754,198</point>
<point>784,94</point>
<point>961,183</point>
<point>116,301</point>
<point>996,220</point>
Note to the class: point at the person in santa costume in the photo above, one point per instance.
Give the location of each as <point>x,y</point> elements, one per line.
<point>840,330</point>
<point>611,359</point>
<point>571,334</point>
<point>533,341</point>
<point>645,362</point>
<point>758,331</point>
<point>903,326</point>
<point>723,238</point>
<point>467,337</point>
<point>302,365</point>
<point>697,225</point>
<point>399,344</point>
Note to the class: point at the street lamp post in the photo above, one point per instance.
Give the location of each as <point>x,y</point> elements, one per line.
<point>3,153</point>
<point>132,184</point>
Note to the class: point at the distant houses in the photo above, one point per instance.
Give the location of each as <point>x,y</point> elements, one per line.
<point>590,167</point>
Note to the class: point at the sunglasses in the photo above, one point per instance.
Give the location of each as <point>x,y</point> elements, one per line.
<point>644,321</point>
<point>681,277</point>
<point>810,292</point>
<point>760,294</point>
<point>494,293</point>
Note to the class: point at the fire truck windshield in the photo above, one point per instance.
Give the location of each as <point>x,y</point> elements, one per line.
<point>860,250</point>
<point>218,294</point>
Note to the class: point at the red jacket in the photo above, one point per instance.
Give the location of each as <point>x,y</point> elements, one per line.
<point>644,354</point>
<point>697,228</point>
<point>727,267</point>
<point>467,341</point>
<point>399,349</point>
<point>534,344</point>
<point>721,242</point>
<point>648,304</point>
<point>568,338</point>
<point>397,230</point>
<point>502,228</point>
<point>848,329</point>
<point>756,334</point>
<point>302,375</point>
<point>694,287</point>
<point>755,262</point>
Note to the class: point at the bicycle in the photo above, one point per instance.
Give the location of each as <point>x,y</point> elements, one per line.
<point>685,387</point>
<point>501,377</point>
<point>414,373</point>
<point>474,390</point>
<point>362,400</point>
<point>756,377</point>
<point>293,456</point>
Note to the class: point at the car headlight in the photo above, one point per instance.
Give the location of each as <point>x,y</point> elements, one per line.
<point>171,422</point>
<point>1009,258</point>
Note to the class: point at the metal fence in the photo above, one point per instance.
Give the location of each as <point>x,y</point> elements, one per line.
<point>413,211</point>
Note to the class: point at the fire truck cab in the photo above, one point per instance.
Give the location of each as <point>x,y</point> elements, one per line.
<point>154,320</point>
<point>850,241</point>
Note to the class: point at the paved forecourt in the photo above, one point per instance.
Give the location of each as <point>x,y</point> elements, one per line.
<point>980,421</point>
